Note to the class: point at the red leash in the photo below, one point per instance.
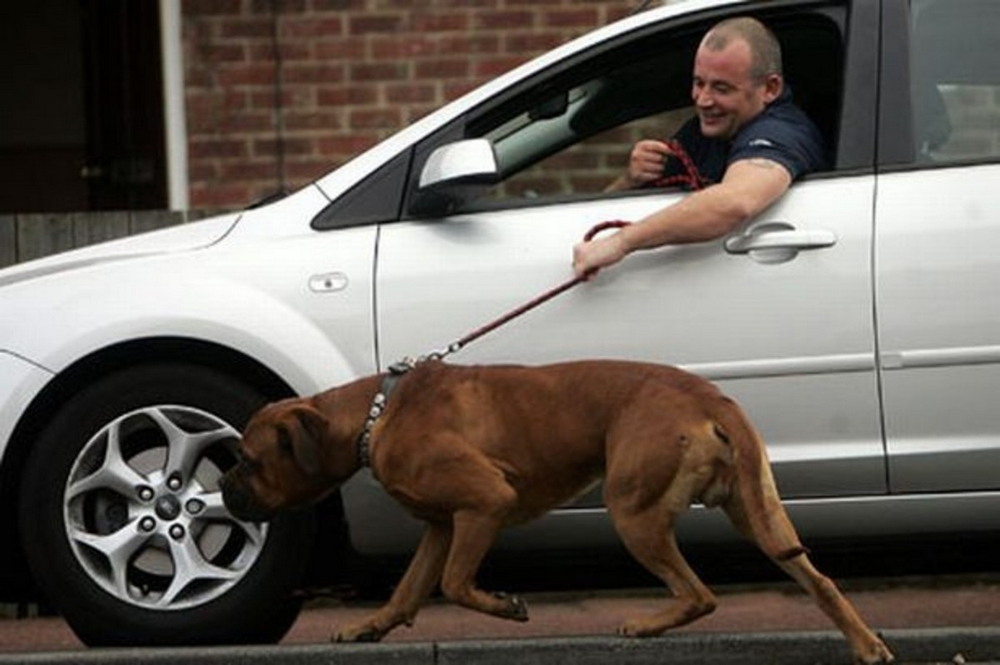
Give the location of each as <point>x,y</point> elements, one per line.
<point>531,304</point>
<point>691,177</point>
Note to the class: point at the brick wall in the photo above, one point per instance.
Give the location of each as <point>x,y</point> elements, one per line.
<point>281,91</point>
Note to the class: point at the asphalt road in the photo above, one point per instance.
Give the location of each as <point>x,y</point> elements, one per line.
<point>928,619</point>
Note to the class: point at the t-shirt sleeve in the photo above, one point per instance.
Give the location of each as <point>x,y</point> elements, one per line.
<point>795,145</point>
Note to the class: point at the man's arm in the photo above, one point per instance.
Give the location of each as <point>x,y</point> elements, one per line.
<point>748,187</point>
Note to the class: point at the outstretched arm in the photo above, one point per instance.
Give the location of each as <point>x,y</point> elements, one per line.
<point>748,187</point>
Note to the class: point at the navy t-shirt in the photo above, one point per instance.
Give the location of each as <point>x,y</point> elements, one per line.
<point>782,133</point>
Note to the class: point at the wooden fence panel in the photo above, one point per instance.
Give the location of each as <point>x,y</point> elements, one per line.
<point>8,242</point>
<point>24,237</point>
<point>41,234</point>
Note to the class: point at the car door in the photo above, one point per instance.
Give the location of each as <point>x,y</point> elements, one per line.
<point>938,212</point>
<point>780,314</point>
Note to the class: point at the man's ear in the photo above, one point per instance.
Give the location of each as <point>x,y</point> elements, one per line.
<point>308,437</point>
<point>773,85</point>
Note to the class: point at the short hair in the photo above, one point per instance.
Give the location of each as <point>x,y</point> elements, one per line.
<point>765,50</point>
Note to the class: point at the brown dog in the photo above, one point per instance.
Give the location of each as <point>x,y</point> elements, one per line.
<point>470,450</point>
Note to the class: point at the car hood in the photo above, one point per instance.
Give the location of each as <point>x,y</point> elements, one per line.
<point>185,237</point>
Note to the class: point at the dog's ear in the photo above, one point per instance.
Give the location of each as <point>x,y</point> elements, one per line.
<point>307,436</point>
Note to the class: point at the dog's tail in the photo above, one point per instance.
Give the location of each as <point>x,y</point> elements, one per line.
<point>756,493</point>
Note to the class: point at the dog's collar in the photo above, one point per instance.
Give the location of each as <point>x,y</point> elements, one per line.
<point>379,402</point>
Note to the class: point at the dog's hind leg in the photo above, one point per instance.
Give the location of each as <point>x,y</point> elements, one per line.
<point>417,584</point>
<point>868,648</point>
<point>649,537</point>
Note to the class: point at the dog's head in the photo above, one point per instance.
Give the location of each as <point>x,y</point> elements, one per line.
<point>289,458</point>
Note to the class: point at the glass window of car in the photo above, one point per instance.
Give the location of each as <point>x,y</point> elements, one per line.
<point>955,80</point>
<point>569,136</point>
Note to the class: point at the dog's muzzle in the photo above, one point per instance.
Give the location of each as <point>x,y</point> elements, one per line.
<point>239,498</point>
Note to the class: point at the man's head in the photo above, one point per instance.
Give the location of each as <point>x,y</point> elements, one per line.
<point>737,73</point>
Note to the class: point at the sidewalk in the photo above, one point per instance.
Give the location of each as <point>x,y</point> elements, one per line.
<point>940,620</point>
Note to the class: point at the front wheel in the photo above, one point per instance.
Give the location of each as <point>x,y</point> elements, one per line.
<point>123,521</point>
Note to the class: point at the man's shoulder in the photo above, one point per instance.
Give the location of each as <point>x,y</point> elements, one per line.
<point>785,134</point>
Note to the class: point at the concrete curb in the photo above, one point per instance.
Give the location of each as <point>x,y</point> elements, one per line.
<point>976,645</point>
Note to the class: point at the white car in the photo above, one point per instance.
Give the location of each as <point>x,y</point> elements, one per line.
<point>858,321</point>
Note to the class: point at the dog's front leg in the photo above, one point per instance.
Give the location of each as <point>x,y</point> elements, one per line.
<point>474,535</point>
<point>417,584</point>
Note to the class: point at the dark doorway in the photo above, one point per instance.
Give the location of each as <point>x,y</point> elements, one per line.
<point>82,126</point>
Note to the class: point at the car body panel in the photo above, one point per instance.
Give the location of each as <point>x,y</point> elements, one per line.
<point>939,313</point>
<point>441,279</point>
<point>20,381</point>
<point>272,309</point>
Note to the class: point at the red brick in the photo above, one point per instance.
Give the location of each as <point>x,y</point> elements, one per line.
<point>339,5</point>
<point>469,43</point>
<point>505,20</point>
<point>378,71</point>
<point>241,28</point>
<point>246,171</point>
<point>312,73</point>
<point>403,46</point>
<point>408,93</point>
<point>289,146</point>
<point>307,171</point>
<point>200,148</point>
<point>346,48</point>
<point>389,118</point>
<point>255,74</point>
<point>442,69</point>
<point>306,27</point>
<point>377,23</point>
<point>424,22</point>
<point>300,120</point>
<point>352,94</point>
<point>496,66</point>
<point>212,53</point>
<point>351,145</point>
<point>530,43</point>
<point>572,18</point>
<point>221,196</point>
<point>211,7</point>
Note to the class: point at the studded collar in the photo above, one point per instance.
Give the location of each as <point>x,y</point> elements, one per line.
<point>378,406</point>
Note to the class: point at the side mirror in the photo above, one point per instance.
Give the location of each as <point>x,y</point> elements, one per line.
<point>463,161</point>
<point>455,173</point>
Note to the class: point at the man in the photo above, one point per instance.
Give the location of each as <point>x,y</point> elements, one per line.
<point>747,137</point>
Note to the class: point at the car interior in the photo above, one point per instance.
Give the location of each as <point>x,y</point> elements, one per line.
<point>640,90</point>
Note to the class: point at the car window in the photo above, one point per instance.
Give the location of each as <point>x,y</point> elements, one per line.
<point>570,135</point>
<point>955,80</point>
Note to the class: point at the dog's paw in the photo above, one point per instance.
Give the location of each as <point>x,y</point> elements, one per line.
<point>516,609</point>
<point>875,653</point>
<point>639,628</point>
<point>357,634</point>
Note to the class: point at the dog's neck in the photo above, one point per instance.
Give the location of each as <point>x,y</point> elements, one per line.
<point>378,405</point>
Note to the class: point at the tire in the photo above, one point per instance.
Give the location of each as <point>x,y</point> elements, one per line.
<point>124,526</point>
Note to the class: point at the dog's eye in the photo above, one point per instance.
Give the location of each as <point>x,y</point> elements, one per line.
<point>284,441</point>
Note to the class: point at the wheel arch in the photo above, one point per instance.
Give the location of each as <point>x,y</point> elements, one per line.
<point>15,578</point>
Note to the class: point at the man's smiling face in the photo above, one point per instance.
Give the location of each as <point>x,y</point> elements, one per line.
<point>725,94</point>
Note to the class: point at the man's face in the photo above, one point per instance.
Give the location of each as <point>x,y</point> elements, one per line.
<point>725,95</point>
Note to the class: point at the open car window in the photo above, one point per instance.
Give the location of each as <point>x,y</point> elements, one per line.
<point>570,136</point>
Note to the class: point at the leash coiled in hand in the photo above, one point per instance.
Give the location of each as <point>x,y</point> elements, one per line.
<point>691,177</point>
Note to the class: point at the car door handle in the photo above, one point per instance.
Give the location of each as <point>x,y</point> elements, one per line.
<point>777,242</point>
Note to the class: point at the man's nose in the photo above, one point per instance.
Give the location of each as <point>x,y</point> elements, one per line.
<point>702,97</point>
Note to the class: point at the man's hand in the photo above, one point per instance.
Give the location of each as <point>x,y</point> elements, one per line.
<point>590,256</point>
<point>645,165</point>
